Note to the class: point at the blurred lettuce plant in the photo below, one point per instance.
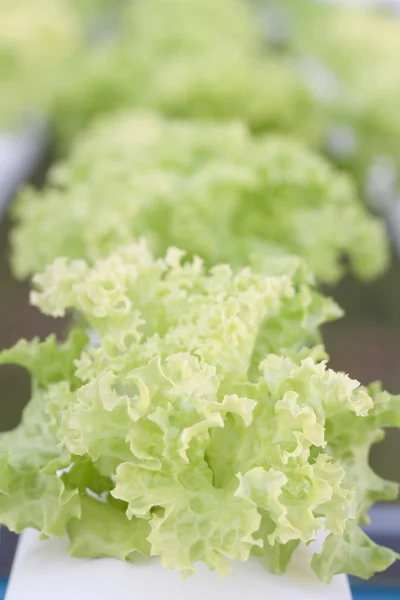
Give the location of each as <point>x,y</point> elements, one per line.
<point>189,416</point>
<point>212,189</point>
<point>186,58</point>
<point>350,56</point>
<point>37,41</point>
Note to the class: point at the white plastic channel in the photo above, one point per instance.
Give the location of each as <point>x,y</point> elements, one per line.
<point>44,571</point>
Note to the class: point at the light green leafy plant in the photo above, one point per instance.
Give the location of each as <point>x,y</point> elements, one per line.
<point>189,416</point>
<point>212,189</point>
<point>370,87</point>
<point>186,58</point>
<point>359,48</point>
<point>37,40</point>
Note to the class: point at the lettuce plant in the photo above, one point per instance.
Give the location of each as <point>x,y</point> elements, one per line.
<point>190,416</point>
<point>37,40</point>
<point>206,62</point>
<point>370,89</point>
<point>186,58</point>
<point>359,50</point>
<point>212,189</point>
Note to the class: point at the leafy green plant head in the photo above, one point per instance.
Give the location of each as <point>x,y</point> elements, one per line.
<point>212,189</point>
<point>358,49</point>
<point>36,40</point>
<point>189,416</point>
<point>183,58</point>
<point>369,92</point>
<point>186,58</point>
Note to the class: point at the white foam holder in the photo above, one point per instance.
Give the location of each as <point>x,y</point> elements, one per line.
<point>43,570</point>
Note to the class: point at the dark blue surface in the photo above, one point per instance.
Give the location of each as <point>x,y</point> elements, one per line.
<point>376,594</point>
<point>3,585</point>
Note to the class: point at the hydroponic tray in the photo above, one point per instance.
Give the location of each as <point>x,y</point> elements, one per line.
<point>44,571</point>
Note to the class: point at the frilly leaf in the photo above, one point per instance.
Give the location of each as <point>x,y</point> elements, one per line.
<point>352,553</point>
<point>120,538</point>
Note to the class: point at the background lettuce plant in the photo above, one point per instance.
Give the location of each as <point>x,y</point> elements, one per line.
<point>70,61</point>
<point>186,58</point>
<point>189,416</point>
<point>37,41</point>
<point>212,189</point>
<point>350,57</point>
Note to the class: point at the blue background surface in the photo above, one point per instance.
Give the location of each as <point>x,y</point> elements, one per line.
<point>389,594</point>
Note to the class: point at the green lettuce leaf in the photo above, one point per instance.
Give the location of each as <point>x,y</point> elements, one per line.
<point>120,538</point>
<point>352,553</point>
<point>32,494</point>
<point>277,555</point>
<point>47,361</point>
